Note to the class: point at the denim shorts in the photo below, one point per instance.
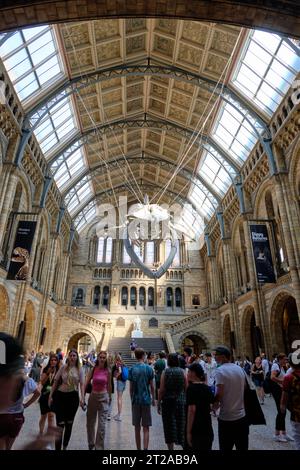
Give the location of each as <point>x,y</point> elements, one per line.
<point>121,385</point>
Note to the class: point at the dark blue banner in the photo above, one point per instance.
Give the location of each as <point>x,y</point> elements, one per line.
<point>262,253</point>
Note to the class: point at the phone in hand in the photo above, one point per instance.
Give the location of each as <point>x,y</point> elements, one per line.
<point>84,407</point>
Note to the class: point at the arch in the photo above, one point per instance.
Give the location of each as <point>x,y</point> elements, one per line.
<point>198,339</point>
<point>284,322</point>
<point>226,331</point>
<point>271,16</point>
<point>4,309</point>
<point>96,296</point>
<point>178,297</point>
<point>251,333</point>
<point>124,296</point>
<point>29,327</point>
<point>150,297</point>
<point>75,336</point>
<point>105,297</point>
<point>133,296</point>
<point>169,297</point>
<point>142,296</point>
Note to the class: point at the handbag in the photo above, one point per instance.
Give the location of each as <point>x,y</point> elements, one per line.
<point>254,413</point>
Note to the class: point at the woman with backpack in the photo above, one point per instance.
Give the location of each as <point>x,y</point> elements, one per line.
<point>99,400</point>
<point>120,373</point>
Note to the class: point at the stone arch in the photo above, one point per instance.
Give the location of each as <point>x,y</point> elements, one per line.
<point>271,16</point>
<point>284,322</point>
<point>250,332</point>
<point>198,339</point>
<point>226,329</point>
<point>4,309</point>
<point>75,336</point>
<point>29,339</point>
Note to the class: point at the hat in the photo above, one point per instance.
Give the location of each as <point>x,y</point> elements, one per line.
<point>11,355</point>
<point>294,359</point>
<point>223,351</point>
<point>197,368</point>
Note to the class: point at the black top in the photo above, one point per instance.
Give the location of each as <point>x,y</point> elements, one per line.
<point>200,394</point>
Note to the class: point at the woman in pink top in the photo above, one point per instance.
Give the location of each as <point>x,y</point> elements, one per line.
<point>99,401</point>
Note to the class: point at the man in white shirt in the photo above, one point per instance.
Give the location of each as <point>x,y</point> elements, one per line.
<point>230,386</point>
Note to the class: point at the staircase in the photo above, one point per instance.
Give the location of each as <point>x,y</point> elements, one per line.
<point>122,345</point>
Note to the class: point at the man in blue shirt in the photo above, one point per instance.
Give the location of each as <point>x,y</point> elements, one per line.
<point>142,395</point>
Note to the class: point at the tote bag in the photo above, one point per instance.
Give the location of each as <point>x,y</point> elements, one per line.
<point>254,413</point>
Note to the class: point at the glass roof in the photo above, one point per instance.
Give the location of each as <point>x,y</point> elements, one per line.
<point>58,124</point>
<point>32,60</point>
<point>214,173</point>
<point>263,72</point>
<point>73,165</point>
<point>266,69</point>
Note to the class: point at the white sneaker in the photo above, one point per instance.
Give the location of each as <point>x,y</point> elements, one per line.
<point>288,438</point>
<point>117,418</point>
<point>282,438</point>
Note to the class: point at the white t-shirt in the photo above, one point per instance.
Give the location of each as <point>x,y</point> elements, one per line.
<point>234,381</point>
<point>279,369</point>
<point>265,366</point>
<point>29,387</point>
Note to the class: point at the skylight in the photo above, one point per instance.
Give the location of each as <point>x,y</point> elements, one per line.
<point>213,172</point>
<point>266,70</point>
<point>234,133</point>
<point>85,216</point>
<point>58,124</point>
<point>69,168</point>
<point>32,60</point>
<point>201,200</point>
<point>78,194</point>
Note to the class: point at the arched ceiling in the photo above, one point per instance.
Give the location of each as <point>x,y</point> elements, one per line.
<point>279,16</point>
<point>168,115</point>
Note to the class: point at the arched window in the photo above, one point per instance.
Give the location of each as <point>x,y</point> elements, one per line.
<point>138,249</point>
<point>176,260</point>
<point>124,300</point>
<point>178,297</point>
<point>108,251</point>
<point>96,299</point>
<point>149,253</point>
<point>169,295</point>
<point>105,297</point>
<point>100,251</point>
<point>126,257</point>
<point>104,251</point>
<point>150,297</point>
<point>133,296</point>
<point>153,323</point>
<point>142,296</point>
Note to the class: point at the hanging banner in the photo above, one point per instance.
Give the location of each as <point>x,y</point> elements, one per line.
<point>262,253</point>
<point>20,257</point>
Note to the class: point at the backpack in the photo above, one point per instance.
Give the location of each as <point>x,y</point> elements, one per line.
<point>125,373</point>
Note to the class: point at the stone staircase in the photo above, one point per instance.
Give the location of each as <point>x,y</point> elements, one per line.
<point>116,345</point>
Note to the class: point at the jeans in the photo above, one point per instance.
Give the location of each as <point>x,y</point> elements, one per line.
<point>97,408</point>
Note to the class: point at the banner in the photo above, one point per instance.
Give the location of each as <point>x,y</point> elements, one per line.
<point>262,253</point>
<point>19,263</point>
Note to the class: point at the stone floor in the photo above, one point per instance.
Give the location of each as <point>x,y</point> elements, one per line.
<point>120,435</point>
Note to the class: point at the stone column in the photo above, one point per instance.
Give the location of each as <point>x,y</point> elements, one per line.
<point>289,228</point>
<point>9,183</point>
<point>261,316</point>
<point>215,281</point>
<point>231,282</point>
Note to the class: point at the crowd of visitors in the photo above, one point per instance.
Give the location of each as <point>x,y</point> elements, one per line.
<point>187,391</point>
